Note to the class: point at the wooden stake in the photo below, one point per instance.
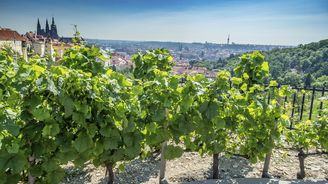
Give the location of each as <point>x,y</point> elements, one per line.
<point>110,173</point>
<point>301,158</point>
<point>216,166</point>
<point>265,171</point>
<point>163,163</point>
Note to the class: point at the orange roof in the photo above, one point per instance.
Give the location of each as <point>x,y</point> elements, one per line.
<point>8,34</point>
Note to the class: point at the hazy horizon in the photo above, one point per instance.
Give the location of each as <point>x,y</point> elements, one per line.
<point>276,22</point>
<point>188,42</point>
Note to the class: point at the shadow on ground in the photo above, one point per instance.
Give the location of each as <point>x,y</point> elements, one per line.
<point>77,175</point>
<point>233,167</point>
<point>136,171</point>
<point>257,181</point>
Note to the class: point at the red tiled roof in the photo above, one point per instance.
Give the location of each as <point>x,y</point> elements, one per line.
<point>8,34</point>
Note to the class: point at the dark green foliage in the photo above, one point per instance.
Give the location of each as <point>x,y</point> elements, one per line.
<point>290,66</point>
<point>302,60</point>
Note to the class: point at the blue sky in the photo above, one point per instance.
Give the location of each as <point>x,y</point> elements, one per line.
<point>287,22</point>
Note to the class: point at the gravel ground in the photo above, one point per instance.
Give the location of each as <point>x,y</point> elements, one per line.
<point>192,167</point>
<point>258,181</point>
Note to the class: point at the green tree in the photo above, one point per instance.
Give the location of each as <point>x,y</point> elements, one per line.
<point>291,78</point>
<point>321,81</point>
<point>308,80</point>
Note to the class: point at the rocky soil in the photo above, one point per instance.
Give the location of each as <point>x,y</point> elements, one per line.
<point>192,167</point>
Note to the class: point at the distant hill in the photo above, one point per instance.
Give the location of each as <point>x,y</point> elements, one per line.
<point>304,65</point>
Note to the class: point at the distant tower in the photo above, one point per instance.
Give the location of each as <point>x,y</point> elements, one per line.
<point>47,28</point>
<point>228,40</point>
<point>38,28</point>
<point>53,31</point>
<point>49,31</point>
<point>180,47</point>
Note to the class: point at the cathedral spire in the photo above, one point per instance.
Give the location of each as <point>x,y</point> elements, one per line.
<point>53,29</point>
<point>38,28</point>
<point>39,23</point>
<point>47,27</point>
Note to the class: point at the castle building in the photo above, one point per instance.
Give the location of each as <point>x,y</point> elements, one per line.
<point>52,32</point>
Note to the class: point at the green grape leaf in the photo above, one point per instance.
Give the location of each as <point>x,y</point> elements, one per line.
<point>15,162</point>
<point>41,114</point>
<point>171,152</point>
<point>82,143</point>
<point>105,131</point>
<point>51,130</point>
<point>50,165</point>
<point>56,176</point>
<point>68,104</point>
<point>219,122</point>
<point>121,167</point>
<point>36,170</point>
<point>128,140</point>
<point>11,127</point>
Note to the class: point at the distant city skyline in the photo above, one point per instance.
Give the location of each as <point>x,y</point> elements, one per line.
<point>275,22</point>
